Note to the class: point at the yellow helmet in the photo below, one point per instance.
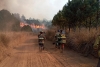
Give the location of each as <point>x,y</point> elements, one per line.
<point>63,36</point>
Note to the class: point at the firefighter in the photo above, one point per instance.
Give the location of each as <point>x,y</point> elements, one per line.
<point>41,39</point>
<point>56,39</point>
<point>62,40</point>
<point>96,46</point>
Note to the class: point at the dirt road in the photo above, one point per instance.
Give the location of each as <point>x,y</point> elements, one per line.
<point>27,55</point>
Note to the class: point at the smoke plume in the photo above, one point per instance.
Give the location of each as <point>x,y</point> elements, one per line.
<point>38,9</point>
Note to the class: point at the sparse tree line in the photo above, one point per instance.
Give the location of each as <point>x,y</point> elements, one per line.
<point>11,22</point>
<point>77,14</point>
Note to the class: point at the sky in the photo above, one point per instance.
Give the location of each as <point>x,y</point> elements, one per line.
<point>37,9</point>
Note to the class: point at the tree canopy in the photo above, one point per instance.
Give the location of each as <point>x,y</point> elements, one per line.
<point>78,13</point>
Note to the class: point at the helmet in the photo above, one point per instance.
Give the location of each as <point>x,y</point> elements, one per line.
<point>41,32</point>
<point>61,31</point>
<point>58,30</point>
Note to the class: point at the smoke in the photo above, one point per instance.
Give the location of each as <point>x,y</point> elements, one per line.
<point>3,4</point>
<point>38,9</point>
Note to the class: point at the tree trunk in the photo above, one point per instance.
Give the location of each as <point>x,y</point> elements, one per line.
<point>69,27</point>
<point>90,24</point>
<point>86,23</point>
<point>97,20</point>
<point>79,28</point>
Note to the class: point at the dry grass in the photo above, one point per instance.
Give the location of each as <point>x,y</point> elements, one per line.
<point>50,35</point>
<point>8,40</point>
<point>79,41</point>
<point>4,40</point>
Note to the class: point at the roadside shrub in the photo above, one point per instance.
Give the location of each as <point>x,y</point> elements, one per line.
<point>50,35</point>
<point>81,41</point>
<point>4,39</point>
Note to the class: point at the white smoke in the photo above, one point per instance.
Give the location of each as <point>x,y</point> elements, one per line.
<point>38,9</point>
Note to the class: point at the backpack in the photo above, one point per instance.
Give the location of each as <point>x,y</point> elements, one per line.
<point>63,35</point>
<point>63,38</point>
<point>57,36</point>
<point>41,38</point>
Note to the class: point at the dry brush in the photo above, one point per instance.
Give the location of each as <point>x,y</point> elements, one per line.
<point>9,40</point>
<point>81,41</point>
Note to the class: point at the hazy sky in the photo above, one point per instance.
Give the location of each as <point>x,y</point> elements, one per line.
<point>38,9</point>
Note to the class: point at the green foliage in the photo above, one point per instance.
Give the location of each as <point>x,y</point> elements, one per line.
<point>77,13</point>
<point>59,20</point>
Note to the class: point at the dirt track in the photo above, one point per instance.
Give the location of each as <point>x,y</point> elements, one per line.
<point>28,55</point>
